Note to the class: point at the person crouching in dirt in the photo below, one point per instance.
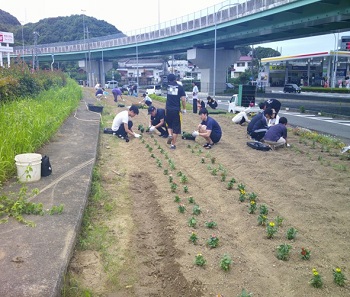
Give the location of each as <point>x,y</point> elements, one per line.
<point>212,102</point>
<point>209,129</point>
<point>276,136</point>
<point>258,124</point>
<point>157,121</point>
<point>122,126</point>
<point>99,93</point>
<point>200,104</point>
<point>241,117</point>
<point>146,99</point>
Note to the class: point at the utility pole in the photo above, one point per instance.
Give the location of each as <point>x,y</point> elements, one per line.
<point>35,56</point>
<point>90,68</point>
<point>86,67</point>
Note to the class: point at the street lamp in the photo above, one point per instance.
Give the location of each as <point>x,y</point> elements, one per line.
<point>137,62</point>
<point>335,61</point>
<point>83,11</point>
<point>35,56</point>
<point>215,37</point>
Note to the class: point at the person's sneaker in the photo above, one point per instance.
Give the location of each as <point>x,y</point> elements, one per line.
<point>170,138</point>
<point>172,147</point>
<point>206,145</point>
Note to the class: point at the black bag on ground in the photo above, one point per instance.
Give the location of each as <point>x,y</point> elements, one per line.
<point>258,146</point>
<point>46,168</point>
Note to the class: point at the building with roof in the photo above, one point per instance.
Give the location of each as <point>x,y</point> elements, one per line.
<point>326,69</point>
<point>240,66</point>
<point>150,71</point>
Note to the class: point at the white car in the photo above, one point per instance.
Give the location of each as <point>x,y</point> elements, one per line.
<point>234,107</point>
<point>154,89</point>
<point>111,84</point>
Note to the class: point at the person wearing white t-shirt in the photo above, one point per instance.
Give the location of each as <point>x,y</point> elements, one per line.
<point>122,126</point>
<point>241,117</point>
<point>195,91</point>
<point>274,120</point>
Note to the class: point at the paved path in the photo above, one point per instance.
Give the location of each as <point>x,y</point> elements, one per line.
<point>33,261</point>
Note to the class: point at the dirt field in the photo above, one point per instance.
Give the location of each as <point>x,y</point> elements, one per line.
<point>307,187</point>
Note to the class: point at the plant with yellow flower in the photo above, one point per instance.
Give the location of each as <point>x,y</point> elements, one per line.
<point>262,219</point>
<point>193,238</point>
<point>225,262</point>
<point>199,260</point>
<point>252,207</point>
<point>252,196</point>
<point>271,230</point>
<point>339,277</point>
<point>316,280</point>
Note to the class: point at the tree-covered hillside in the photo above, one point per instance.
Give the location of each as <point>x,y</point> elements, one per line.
<point>59,29</point>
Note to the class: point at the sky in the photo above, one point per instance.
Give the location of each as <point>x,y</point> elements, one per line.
<point>126,17</point>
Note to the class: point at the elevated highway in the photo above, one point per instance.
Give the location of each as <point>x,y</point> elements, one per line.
<point>224,26</point>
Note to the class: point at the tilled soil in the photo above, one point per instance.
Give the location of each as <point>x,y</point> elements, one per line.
<point>307,187</point>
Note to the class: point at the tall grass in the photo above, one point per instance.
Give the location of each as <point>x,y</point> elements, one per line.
<point>27,124</point>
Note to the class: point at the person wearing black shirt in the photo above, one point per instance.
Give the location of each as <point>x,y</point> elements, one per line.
<point>157,121</point>
<point>175,96</point>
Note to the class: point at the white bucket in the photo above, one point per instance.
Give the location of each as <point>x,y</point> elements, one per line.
<point>30,163</point>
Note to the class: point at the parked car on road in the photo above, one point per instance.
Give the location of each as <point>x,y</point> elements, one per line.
<point>154,89</point>
<point>234,107</point>
<point>111,84</point>
<point>291,88</point>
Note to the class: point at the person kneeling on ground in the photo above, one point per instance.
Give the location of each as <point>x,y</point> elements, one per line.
<point>146,99</point>
<point>209,129</point>
<point>258,124</point>
<point>276,136</point>
<point>122,126</point>
<point>241,117</point>
<point>157,121</point>
<point>212,102</point>
<point>99,93</point>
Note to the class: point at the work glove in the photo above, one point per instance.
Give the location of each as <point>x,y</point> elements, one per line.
<point>152,128</point>
<point>195,133</point>
<point>137,135</point>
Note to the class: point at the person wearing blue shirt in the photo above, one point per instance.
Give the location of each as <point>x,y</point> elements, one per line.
<point>209,129</point>
<point>276,136</point>
<point>258,124</point>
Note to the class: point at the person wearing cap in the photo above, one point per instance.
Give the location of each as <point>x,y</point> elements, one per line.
<point>157,121</point>
<point>175,97</point>
<point>146,99</point>
<point>122,125</point>
<point>209,129</point>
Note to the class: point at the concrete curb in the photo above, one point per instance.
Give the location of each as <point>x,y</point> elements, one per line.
<point>34,261</point>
